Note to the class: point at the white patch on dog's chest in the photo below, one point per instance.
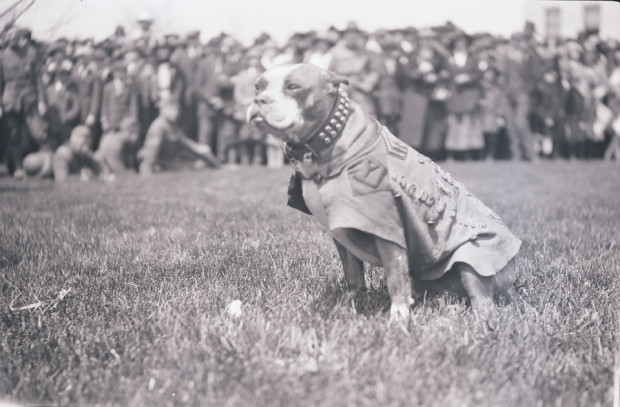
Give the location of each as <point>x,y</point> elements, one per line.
<point>313,200</point>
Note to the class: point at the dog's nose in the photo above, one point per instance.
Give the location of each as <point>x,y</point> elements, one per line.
<point>262,100</point>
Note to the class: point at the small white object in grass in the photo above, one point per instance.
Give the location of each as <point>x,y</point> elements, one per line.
<point>234,309</point>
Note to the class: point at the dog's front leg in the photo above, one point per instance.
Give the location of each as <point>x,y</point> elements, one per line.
<point>396,265</point>
<point>353,273</point>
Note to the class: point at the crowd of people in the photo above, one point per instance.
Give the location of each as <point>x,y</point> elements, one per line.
<point>133,103</point>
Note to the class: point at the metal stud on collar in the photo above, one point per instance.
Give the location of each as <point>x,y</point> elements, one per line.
<point>336,123</point>
<point>328,134</point>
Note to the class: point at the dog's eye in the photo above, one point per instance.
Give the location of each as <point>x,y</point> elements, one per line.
<point>292,86</point>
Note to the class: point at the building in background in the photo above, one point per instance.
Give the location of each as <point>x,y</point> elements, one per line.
<point>568,19</point>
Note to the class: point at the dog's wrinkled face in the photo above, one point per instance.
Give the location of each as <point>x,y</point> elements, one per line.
<point>292,101</point>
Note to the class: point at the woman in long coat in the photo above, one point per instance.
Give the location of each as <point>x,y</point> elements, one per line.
<point>422,123</point>
<point>583,75</point>
<point>465,117</point>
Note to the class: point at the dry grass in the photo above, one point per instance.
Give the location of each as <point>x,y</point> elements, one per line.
<point>151,266</point>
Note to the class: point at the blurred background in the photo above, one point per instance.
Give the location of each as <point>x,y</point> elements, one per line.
<point>103,88</point>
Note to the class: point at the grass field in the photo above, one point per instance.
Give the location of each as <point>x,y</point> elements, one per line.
<point>133,279</point>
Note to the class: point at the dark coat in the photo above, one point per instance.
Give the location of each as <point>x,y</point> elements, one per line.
<point>19,85</point>
<point>198,76</point>
<point>63,111</point>
<point>90,88</point>
<point>465,95</point>
<point>116,106</point>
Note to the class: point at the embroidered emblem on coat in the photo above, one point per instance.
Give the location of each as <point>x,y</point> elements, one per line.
<point>366,176</point>
<point>395,147</point>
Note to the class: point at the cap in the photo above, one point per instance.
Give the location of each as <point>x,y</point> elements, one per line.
<point>145,17</point>
<point>56,47</point>
<point>193,35</point>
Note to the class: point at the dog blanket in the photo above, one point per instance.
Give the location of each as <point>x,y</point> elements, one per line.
<point>390,190</point>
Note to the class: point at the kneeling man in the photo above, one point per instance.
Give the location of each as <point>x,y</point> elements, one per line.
<point>167,148</point>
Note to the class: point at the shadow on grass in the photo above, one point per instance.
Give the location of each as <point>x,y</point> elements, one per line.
<point>376,299</point>
<point>369,302</point>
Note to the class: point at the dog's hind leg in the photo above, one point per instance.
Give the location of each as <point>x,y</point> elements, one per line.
<point>480,290</point>
<point>505,282</point>
<point>353,273</point>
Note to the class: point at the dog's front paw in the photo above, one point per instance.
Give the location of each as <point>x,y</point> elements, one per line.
<point>399,317</point>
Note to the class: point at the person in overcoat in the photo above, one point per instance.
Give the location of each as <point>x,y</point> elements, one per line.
<point>388,94</point>
<point>353,60</point>
<point>22,99</point>
<point>422,79</point>
<point>465,120</point>
<point>87,77</point>
<point>63,105</point>
<point>198,71</point>
<point>119,100</point>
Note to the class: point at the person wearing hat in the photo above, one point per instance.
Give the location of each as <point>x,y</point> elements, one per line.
<point>22,100</point>
<point>63,110</point>
<point>89,83</point>
<point>421,73</point>
<point>387,93</point>
<point>141,78</point>
<point>142,33</point>
<point>465,137</point>
<point>168,79</point>
<point>518,61</point>
<point>200,82</point>
<point>119,99</point>
<point>318,53</point>
<point>353,60</point>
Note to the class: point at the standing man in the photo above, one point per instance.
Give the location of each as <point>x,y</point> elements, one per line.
<point>120,100</point>
<point>87,78</point>
<point>200,86</point>
<point>351,58</point>
<point>64,108</point>
<point>521,65</point>
<point>22,100</point>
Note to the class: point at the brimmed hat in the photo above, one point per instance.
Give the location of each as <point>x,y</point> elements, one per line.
<point>54,48</point>
<point>22,32</point>
<point>457,36</point>
<point>352,28</point>
<point>330,37</point>
<point>145,17</point>
<point>193,35</point>
<point>172,39</point>
<point>262,38</point>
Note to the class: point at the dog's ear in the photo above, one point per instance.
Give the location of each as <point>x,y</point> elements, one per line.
<point>333,80</point>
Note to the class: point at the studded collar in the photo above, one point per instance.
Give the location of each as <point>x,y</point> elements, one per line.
<point>328,133</point>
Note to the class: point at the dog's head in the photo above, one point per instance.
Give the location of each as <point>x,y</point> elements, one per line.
<point>293,101</point>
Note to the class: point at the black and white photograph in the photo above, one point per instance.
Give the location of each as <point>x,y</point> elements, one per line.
<point>310,203</point>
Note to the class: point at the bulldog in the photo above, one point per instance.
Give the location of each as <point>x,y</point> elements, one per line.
<point>382,201</point>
